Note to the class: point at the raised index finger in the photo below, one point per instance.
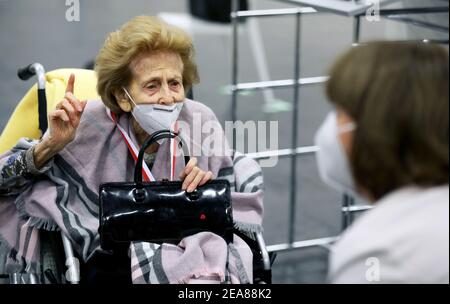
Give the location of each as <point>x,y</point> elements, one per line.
<point>70,84</point>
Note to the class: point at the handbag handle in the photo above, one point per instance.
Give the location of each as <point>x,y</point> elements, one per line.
<point>151,140</point>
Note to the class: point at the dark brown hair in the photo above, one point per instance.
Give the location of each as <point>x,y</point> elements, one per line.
<point>397,93</point>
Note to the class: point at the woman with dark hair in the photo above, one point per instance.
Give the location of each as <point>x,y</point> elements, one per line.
<point>387,141</point>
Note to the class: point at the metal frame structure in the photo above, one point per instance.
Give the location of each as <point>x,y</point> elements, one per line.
<point>348,204</point>
<point>339,7</point>
<point>399,15</point>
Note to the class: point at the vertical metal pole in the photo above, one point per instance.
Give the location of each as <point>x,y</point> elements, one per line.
<point>71,262</point>
<point>345,214</point>
<point>295,119</point>
<point>351,214</point>
<point>348,201</point>
<point>235,61</point>
<point>356,29</point>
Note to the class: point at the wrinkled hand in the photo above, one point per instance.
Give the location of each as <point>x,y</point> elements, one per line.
<point>193,176</point>
<point>64,120</point>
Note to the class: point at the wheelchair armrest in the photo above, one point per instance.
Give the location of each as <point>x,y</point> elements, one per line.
<point>262,259</point>
<point>264,253</point>
<point>71,262</point>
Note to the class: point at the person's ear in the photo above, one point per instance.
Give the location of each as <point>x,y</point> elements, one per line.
<point>122,100</point>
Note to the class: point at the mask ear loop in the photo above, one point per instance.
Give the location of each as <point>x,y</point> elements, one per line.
<point>348,127</point>
<point>129,96</point>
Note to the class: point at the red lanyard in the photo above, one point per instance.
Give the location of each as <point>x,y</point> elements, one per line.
<point>173,153</point>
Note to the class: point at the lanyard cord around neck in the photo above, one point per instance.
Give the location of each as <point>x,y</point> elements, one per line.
<point>173,153</point>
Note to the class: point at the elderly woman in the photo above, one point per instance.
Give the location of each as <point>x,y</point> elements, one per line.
<point>144,71</point>
<point>387,141</point>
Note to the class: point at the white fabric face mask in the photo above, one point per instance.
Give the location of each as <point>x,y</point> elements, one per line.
<point>155,117</point>
<point>332,161</point>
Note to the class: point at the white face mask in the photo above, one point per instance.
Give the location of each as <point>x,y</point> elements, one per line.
<point>332,161</point>
<point>155,117</point>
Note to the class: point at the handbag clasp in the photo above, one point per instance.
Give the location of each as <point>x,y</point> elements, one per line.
<point>139,195</point>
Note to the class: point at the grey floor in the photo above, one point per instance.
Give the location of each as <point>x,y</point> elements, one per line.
<point>38,31</point>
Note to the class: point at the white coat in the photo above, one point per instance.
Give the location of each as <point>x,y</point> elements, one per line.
<point>404,239</point>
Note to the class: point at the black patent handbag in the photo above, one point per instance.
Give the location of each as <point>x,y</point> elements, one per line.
<point>161,212</point>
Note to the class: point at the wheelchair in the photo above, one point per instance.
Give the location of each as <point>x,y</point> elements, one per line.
<point>59,261</point>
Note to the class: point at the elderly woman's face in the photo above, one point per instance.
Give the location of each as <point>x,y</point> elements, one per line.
<point>157,79</point>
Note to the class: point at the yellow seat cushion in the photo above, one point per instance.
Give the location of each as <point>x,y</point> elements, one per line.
<point>24,120</point>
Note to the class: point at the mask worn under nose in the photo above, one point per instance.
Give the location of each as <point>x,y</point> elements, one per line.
<point>332,161</point>
<point>155,117</point>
